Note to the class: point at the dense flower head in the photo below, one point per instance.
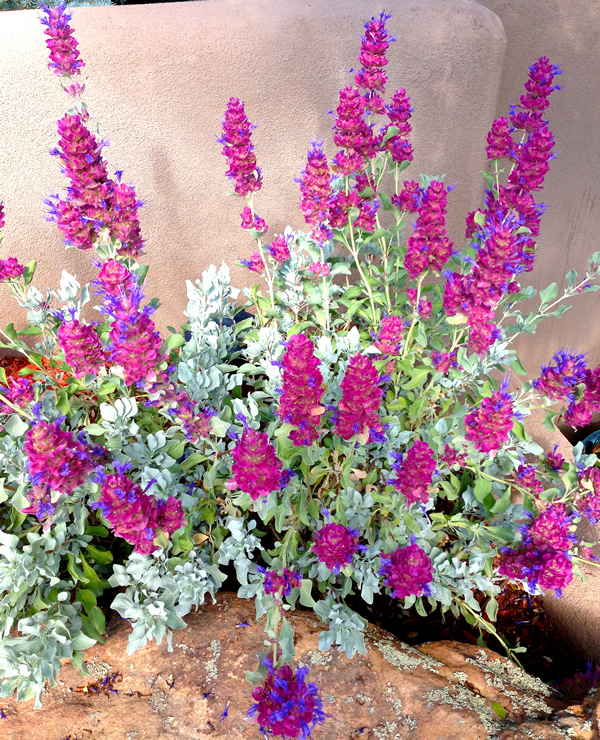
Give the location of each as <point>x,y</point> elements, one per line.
<point>280,584</point>
<point>10,269</point>
<point>554,460</point>
<point>351,130</point>
<point>286,704</point>
<point>558,381</point>
<point>390,335</point>
<point>279,249</point>
<point>537,566</point>
<point>195,421</point>
<point>410,197</point>
<point>315,186</point>
<point>361,397</point>
<point>414,472</point>
<point>20,392</point>
<point>500,142</point>
<point>533,160</point>
<point>588,501</point>
<point>135,345</point>
<point>251,220</point>
<point>371,77</point>
<point>489,424</point>
<point>82,347</point>
<point>443,361</point>
<point>239,150</point>
<point>2,221</point>
<point>64,55</point>
<point>94,200</point>
<point>56,459</point>
<point>580,412</point>
<point>135,516</point>
<point>256,469</point>
<point>543,558</point>
<point>407,571</point>
<point>320,269</point>
<point>40,504</point>
<point>399,112</point>
<point>114,278</point>
<point>454,458</point>
<point>429,246</point>
<point>527,115</point>
<point>527,478</point>
<point>551,528</point>
<point>302,390</point>
<point>254,263</point>
<point>334,545</point>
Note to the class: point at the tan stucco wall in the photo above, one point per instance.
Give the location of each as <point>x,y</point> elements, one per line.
<point>159,80</point>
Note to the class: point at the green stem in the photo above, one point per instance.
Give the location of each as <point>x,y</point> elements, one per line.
<point>355,256</point>
<point>487,626</point>
<point>415,318</point>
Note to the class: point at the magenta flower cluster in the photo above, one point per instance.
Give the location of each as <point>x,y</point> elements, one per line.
<point>527,478</point>
<point>302,390</point>
<point>64,54</point>
<point>543,558</point>
<point>414,472</point>
<point>196,422</point>
<point>280,585</point>
<point>389,337</point>
<point>135,345</point>
<point>407,571</point>
<point>256,468</point>
<point>315,191</point>
<point>429,247</point>
<point>55,458</point>
<point>239,150</point>
<point>94,201</point>
<point>489,424</point>
<point>20,392</point>
<point>358,409</point>
<point>588,500</point>
<point>371,77</point>
<point>409,198</point>
<point>559,381</point>
<point>398,112</point>
<point>580,412</point>
<point>10,269</point>
<point>334,545</point>
<point>133,515</point>
<point>502,253</point>
<point>82,347</point>
<point>286,704</point>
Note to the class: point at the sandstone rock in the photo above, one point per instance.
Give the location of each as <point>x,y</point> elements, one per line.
<point>442,690</point>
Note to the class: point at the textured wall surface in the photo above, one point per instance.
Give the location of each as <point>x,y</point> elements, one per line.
<point>159,80</point>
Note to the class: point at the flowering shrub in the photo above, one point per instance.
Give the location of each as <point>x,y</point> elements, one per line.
<point>348,437</point>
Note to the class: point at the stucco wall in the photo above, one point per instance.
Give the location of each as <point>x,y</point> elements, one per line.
<point>159,80</point>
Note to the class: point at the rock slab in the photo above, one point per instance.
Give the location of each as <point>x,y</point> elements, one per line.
<point>441,690</point>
